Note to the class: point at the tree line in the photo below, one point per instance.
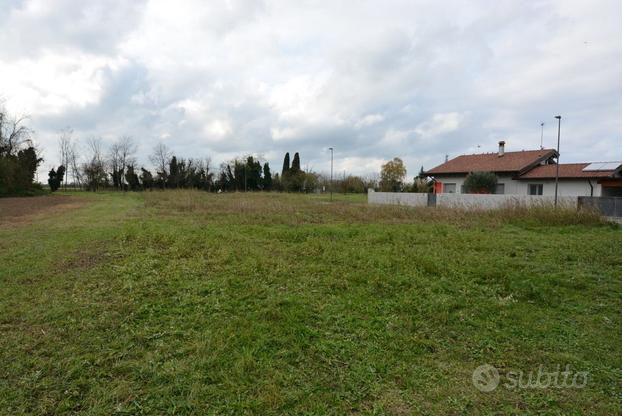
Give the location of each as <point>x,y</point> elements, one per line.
<point>115,167</point>
<point>92,165</point>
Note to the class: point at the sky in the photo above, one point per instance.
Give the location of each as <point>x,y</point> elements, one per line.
<point>374,79</point>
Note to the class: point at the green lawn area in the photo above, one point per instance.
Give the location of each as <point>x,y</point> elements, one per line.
<point>196,303</point>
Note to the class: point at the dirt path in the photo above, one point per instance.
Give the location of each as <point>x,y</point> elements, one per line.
<point>15,211</point>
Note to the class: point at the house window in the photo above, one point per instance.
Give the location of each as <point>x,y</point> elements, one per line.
<point>500,189</point>
<point>449,188</point>
<point>536,188</point>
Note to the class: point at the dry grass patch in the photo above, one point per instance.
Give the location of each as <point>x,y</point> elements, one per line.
<point>23,210</point>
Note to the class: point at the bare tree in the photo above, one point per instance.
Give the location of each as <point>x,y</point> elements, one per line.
<point>13,134</point>
<point>120,156</point>
<point>114,159</point>
<point>127,151</point>
<point>65,147</point>
<point>73,158</point>
<point>160,159</point>
<point>94,169</point>
<point>94,145</point>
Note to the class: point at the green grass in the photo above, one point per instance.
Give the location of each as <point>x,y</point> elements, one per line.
<point>197,303</point>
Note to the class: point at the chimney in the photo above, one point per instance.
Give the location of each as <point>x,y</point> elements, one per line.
<point>501,148</point>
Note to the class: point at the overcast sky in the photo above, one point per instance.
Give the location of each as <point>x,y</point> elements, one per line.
<point>374,79</point>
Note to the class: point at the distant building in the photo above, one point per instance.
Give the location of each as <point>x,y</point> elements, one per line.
<point>531,172</point>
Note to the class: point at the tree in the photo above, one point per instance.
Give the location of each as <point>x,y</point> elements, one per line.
<point>480,183</point>
<point>267,178</point>
<point>121,155</point>
<point>55,177</point>
<point>421,183</point>
<point>277,185</point>
<point>132,178</point>
<point>253,174</point>
<point>351,184</point>
<point>296,163</point>
<point>28,162</point>
<point>66,147</point>
<point>114,160</point>
<point>69,157</point>
<point>160,159</point>
<point>392,175</point>
<point>173,173</point>
<point>18,156</point>
<point>311,181</point>
<point>95,170</point>
<point>146,178</point>
<point>14,135</point>
<point>421,174</point>
<point>285,165</point>
<point>293,179</point>
<point>53,181</point>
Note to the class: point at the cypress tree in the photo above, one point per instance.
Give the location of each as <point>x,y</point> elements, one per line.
<point>267,177</point>
<point>285,164</point>
<point>296,163</point>
<point>173,173</point>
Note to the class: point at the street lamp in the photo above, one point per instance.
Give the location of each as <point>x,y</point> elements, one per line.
<point>559,126</point>
<point>331,172</point>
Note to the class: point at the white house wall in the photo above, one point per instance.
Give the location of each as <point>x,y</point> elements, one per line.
<point>567,187</point>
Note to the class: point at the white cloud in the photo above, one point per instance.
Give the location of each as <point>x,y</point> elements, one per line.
<point>369,120</point>
<point>440,123</point>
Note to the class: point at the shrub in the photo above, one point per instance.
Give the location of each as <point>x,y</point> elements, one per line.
<point>480,183</point>
<point>55,177</point>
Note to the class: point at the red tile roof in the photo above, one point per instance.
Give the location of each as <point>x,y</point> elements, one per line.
<point>492,162</point>
<point>566,170</point>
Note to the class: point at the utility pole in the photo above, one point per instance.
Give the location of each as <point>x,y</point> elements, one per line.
<point>541,135</point>
<point>559,126</point>
<point>331,172</point>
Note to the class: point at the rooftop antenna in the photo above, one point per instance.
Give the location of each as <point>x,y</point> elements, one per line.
<point>541,135</point>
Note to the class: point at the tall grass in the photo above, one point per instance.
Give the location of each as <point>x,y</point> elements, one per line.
<point>275,208</point>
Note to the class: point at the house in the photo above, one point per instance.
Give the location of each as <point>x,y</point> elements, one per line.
<point>531,172</point>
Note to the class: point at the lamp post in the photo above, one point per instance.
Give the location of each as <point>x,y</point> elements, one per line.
<point>559,126</point>
<point>331,172</point>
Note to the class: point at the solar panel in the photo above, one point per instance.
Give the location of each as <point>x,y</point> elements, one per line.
<point>599,166</point>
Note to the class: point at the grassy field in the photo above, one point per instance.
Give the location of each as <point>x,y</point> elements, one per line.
<point>197,303</point>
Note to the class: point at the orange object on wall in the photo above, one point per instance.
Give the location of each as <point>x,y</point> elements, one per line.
<point>438,187</point>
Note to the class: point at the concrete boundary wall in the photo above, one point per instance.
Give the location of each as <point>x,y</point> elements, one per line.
<point>467,201</point>
<point>477,201</point>
<point>397,198</point>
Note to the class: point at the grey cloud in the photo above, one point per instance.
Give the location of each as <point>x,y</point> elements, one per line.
<point>33,26</point>
<point>406,79</point>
